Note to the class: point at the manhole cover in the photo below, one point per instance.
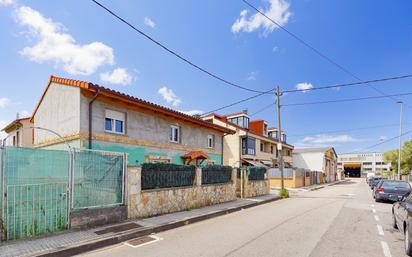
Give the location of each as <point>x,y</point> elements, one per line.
<point>119,228</point>
<point>141,241</point>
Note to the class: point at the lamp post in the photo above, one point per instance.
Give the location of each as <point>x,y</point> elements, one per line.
<point>400,139</point>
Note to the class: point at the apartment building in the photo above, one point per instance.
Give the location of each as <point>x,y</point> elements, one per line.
<point>253,143</point>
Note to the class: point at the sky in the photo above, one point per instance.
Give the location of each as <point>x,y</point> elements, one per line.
<point>79,40</point>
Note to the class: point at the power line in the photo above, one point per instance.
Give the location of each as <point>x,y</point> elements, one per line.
<point>344,100</point>
<point>175,53</point>
<point>314,49</point>
<point>261,110</point>
<point>381,143</point>
<point>349,84</point>
<point>342,130</point>
<point>237,102</point>
<point>297,90</point>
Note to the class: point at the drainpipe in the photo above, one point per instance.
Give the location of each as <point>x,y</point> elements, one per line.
<point>90,117</point>
<point>223,144</point>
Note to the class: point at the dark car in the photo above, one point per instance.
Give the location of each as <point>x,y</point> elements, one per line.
<point>374,182</point>
<point>402,217</point>
<point>391,190</point>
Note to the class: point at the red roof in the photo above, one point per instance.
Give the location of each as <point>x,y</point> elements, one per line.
<point>158,109</point>
<point>195,155</point>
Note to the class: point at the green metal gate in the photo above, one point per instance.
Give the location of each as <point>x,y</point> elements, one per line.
<point>40,187</point>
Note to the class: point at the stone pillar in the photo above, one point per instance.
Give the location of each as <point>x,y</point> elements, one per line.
<point>198,177</point>
<point>293,177</point>
<point>134,189</point>
<point>245,183</point>
<point>234,175</point>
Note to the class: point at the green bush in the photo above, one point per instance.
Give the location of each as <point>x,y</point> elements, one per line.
<point>284,193</point>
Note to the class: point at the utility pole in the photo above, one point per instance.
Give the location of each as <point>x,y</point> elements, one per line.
<point>400,140</point>
<point>279,146</point>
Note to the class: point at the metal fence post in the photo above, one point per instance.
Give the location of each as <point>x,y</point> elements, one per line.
<point>69,191</point>
<point>3,174</point>
<point>124,180</point>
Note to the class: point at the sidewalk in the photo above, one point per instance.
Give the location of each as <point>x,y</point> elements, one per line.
<point>69,243</point>
<point>308,188</point>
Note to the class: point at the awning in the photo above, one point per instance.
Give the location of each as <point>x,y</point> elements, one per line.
<point>255,163</point>
<point>267,163</point>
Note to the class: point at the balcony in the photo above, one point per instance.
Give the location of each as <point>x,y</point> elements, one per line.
<point>288,159</point>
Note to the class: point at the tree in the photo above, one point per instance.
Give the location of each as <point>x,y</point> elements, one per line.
<point>406,158</point>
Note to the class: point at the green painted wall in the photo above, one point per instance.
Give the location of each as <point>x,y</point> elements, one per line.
<point>136,154</point>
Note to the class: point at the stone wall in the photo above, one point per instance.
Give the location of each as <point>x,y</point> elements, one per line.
<point>166,200</point>
<point>251,188</point>
<point>256,188</point>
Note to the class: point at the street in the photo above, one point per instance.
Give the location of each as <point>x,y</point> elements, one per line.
<point>339,220</point>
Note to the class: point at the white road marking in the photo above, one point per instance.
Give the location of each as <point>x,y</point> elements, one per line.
<point>385,249</point>
<point>376,217</point>
<point>373,210</point>
<point>380,230</point>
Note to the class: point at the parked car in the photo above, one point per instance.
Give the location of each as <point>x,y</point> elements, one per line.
<point>401,216</point>
<point>369,180</point>
<point>391,190</point>
<point>374,182</point>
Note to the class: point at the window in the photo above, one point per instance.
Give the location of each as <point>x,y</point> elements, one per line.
<point>262,147</point>
<point>174,134</point>
<point>283,138</point>
<point>249,146</point>
<point>265,129</point>
<point>367,163</point>
<point>210,141</point>
<point>114,122</point>
<point>271,149</point>
<point>241,121</point>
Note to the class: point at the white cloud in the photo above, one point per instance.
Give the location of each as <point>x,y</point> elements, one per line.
<point>54,45</point>
<point>24,114</point>
<point>278,11</point>
<point>149,22</point>
<point>323,139</point>
<point>304,86</point>
<point>252,75</point>
<point>6,2</point>
<point>169,96</point>
<point>275,49</point>
<point>4,102</point>
<point>192,112</point>
<point>118,76</point>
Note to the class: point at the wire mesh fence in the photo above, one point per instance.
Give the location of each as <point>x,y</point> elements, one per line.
<point>40,187</point>
<point>98,178</point>
<point>164,175</point>
<point>256,173</point>
<point>216,174</point>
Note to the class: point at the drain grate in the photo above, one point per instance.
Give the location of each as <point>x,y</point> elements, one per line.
<point>119,228</point>
<point>140,241</point>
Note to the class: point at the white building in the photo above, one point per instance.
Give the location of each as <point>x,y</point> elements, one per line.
<point>320,159</point>
<point>359,164</point>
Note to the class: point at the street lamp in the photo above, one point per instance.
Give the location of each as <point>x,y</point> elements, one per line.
<point>400,139</point>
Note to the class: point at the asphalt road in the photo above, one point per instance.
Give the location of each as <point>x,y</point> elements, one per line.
<point>340,220</point>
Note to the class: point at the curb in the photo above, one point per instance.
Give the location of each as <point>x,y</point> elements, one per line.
<point>125,236</point>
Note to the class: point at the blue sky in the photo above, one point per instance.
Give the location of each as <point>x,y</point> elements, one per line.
<point>77,39</point>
